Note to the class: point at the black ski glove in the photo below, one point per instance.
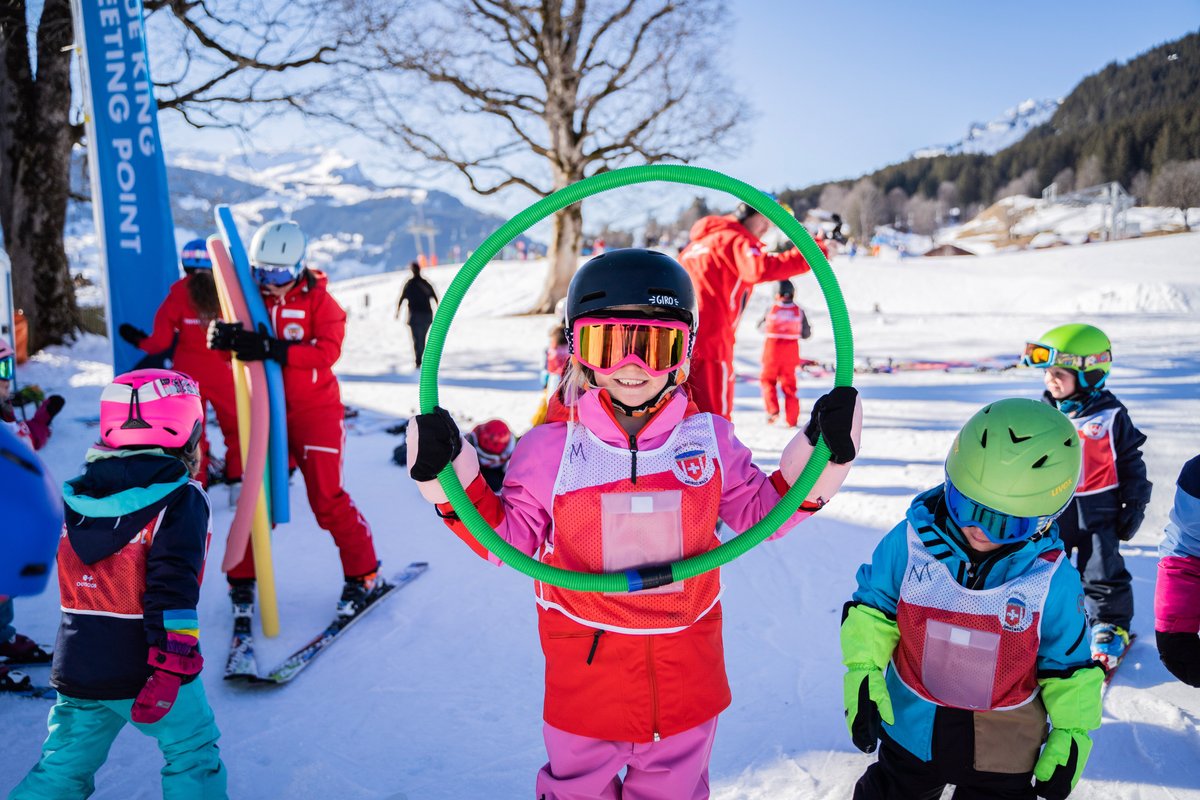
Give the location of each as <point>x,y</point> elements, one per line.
<point>260,345</point>
<point>54,404</point>
<point>1180,654</point>
<point>438,443</point>
<point>1129,519</point>
<point>1059,785</point>
<point>833,416</point>
<point>131,333</point>
<point>221,334</point>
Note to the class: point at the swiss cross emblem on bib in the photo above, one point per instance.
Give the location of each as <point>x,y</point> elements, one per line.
<point>1016,616</point>
<point>693,467</point>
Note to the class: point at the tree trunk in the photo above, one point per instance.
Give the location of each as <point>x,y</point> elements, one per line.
<point>564,258</point>
<point>35,165</point>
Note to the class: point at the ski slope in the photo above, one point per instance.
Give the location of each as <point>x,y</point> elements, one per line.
<point>438,693</point>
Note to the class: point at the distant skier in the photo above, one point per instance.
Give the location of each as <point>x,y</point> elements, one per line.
<point>420,296</point>
<point>1177,592</point>
<point>967,627</point>
<point>1110,503</point>
<point>784,325</point>
<point>129,570</point>
<point>638,477</point>
<point>726,258</point>
<point>311,326</point>
<point>183,317</point>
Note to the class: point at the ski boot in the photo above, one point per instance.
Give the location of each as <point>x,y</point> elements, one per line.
<point>12,680</point>
<point>241,595</point>
<point>20,649</point>
<point>1109,643</point>
<point>358,593</point>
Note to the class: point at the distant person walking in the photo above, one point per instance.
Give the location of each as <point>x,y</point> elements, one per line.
<point>419,294</point>
<point>726,258</point>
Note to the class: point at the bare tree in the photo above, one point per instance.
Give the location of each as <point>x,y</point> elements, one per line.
<point>219,62</point>
<point>833,198</point>
<point>897,201</point>
<point>947,199</point>
<point>1090,172</point>
<point>571,89</point>
<point>1025,185</point>
<point>1064,181</point>
<point>1139,185</point>
<point>1176,184</point>
<point>866,208</point>
<point>922,215</point>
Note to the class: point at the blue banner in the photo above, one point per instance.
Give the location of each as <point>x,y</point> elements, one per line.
<point>130,201</point>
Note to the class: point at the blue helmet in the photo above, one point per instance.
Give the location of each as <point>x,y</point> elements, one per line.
<point>33,518</point>
<point>195,255</point>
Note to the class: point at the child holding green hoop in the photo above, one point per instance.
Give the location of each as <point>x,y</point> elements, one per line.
<point>632,476</point>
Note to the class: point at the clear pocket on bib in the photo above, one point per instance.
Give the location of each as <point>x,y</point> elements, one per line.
<point>642,530</point>
<point>958,667</point>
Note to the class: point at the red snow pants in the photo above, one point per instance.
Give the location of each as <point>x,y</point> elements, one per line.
<point>213,371</point>
<point>317,442</point>
<point>780,360</point>
<point>710,384</point>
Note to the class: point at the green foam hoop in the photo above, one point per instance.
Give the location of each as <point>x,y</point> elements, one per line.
<point>632,580</point>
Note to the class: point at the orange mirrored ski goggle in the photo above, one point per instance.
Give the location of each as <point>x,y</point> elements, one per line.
<point>607,344</point>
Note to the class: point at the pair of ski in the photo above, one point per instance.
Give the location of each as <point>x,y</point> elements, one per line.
<point>243,666</point>
<point>18,683</point>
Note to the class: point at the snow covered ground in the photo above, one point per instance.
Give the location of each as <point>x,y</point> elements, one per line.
<point>438,694</point>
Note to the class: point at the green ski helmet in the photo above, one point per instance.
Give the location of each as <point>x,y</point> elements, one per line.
<point>1079,347</point>
<point>1012,469</point>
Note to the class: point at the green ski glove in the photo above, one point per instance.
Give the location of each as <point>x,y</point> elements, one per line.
<point>1073,704</point>
<point>868,639</point>
<point>1061,763</point>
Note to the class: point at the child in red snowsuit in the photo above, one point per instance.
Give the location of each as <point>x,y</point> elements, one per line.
<point>190,306</point>
<point>784,325</point>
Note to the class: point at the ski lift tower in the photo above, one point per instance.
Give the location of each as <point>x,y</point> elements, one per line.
<point>420,227</point>
<point>1111,196</point>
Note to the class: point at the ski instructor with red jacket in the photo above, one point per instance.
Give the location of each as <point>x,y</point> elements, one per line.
<point>726,258</point>
<point>310,327</point>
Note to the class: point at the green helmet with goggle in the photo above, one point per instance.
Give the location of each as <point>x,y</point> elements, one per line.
<point>1078,347</point>
<point>1012,469</point>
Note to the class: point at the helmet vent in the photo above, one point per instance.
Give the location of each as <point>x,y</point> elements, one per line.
<point>1070,442</point>
<point>983,438</point>
<point>1041,462</point>
<point>171,431</point>
<point>1017,439</point>
<point>592,296</point>
<point>20,462</point>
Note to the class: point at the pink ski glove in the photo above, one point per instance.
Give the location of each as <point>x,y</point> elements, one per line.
<point>172,664</point>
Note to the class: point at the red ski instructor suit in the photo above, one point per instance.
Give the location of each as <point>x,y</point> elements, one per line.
<point>725,262</point>
<point>210,368</point>
<point>309,318</point>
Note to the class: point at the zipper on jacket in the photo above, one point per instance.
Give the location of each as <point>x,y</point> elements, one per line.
<point>595,643</point>
<point>633,451</point>
<point>653,686</point>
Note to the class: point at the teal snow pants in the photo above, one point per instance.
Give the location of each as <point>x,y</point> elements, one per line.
<point>82,731</point>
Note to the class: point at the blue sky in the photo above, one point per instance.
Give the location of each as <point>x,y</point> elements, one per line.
<point>845,88</point>
<point>840,89</point>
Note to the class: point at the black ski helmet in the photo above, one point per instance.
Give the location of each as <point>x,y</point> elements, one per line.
<point>632,277</point>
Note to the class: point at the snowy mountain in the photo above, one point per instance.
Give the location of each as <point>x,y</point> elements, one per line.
<point>992,137</point>
<point>354,225</point>
<point>439,693</point>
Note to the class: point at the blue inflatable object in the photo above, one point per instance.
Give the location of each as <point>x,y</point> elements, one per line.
<point>277,456</point>
<point>33,518</point>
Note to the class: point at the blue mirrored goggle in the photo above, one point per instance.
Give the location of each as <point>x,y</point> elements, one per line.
<point>8,366</point>
<point>999,527</point>
<point>275,276</point>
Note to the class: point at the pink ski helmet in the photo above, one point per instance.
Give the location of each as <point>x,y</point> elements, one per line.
<point>151,408</point>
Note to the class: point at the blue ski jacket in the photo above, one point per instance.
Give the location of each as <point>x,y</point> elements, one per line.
<point>1064,645</point>
<point>129,567</point>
